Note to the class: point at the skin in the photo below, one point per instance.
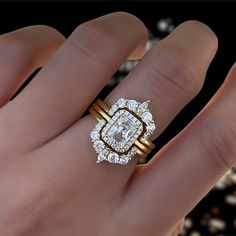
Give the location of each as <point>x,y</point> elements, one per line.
<point>49,181</point>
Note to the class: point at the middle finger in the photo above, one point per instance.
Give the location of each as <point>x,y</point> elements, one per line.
<point>61,92</point>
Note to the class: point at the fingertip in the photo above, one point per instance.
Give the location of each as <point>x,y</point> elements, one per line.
<point>203,31</point>
<point>123,23</point>
<point>196,43</point>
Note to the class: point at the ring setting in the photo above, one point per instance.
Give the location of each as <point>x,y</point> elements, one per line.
<point>123,130</point>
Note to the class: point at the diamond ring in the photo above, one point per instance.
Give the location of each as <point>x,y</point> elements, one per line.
<point>122,130</point>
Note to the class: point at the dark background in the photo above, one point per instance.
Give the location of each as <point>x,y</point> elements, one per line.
<point>213,210</point>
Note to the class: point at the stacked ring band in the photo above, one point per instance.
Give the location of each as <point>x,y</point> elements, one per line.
<point>123,130</point>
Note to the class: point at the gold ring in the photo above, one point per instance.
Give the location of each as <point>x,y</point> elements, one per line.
<point>123,130</point>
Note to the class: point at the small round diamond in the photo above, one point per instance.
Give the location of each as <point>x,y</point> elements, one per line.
<point>133,151</point>
<point>124,160</point>
<point>121,102</point>
<point>111,112</point>
<point>113,109</point>
<point>100,124</point>
<point>113,157</point>
<point>132,105</point>
<point>151,127</point>
<point>146,135</point>
<point>98,145</point>
<point>147,116</point>
<point>94,135</point>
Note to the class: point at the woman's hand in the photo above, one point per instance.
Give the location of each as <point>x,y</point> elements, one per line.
<point>50,183</point>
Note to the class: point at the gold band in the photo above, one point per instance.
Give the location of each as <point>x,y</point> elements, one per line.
<point>99,110</point>
<point>142,147</point>
<point>141,153</point>
<point>95,114</point>
<point>103,105</point>
<point>148,143</point>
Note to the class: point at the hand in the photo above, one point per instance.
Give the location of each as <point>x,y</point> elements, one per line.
<point>50,183</point>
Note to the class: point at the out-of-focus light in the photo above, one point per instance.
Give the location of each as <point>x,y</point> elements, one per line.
<point>234,223</point>
<point>188,223</point>
<point>216,224</point>
<point>165,25</point>
<point>230,199</point>
<point>128,65</point>
<point>151,42</point>
<point>228,179</point>
<point>195,233</point>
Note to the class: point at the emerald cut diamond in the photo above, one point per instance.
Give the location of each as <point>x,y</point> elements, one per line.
<point>121,132</point>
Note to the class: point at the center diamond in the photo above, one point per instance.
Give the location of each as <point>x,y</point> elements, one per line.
<point>122,131</point>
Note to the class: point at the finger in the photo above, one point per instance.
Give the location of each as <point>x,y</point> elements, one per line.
<point>172,73</point>
<point>192,163</point>
<point>74,146</point>
<point>64,88</point>
<point>176,231</point>
<point>21,53</point>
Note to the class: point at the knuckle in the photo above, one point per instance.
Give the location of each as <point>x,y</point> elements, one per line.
<point>96,44</point>
<point>173,76</point>
<point>218,143</point>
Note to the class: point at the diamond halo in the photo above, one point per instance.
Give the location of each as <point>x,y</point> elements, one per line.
<point>114,139</point>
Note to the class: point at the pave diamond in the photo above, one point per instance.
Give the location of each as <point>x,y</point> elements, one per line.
<point>113,109</point>
<point>94,135</point>
<point>100,124</point>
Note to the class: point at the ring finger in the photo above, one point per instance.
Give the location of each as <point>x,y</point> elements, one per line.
<point>170,75</point>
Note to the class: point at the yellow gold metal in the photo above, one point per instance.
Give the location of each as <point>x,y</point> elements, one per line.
<point>103,105</point>
<point>141,153</point>
<point>101,112</point>
<point>95,114</point>
<point>148,143</point>
<point>142,147</point>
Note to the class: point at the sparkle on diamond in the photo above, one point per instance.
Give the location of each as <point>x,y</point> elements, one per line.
<point>122,131</point>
